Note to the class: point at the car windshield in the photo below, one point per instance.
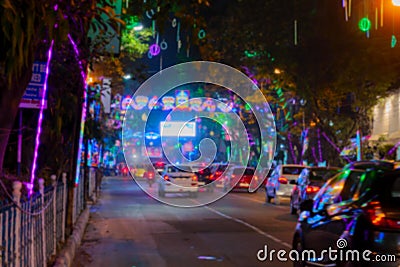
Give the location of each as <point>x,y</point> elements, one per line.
<point>292,170</point>
<point>390,195</point>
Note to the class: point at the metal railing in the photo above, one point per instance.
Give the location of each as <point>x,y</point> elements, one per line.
<point>34,230</point>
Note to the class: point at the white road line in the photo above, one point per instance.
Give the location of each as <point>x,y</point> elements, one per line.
<point>256,229</point>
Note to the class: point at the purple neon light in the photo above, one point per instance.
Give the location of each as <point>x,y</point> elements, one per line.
<point>335,146</point>
<point>39,129</point>
<point>154,49</point>
<point>291,149</point>
<point>391,151</point>
<point>83,115</point>
<point>319,145</point>
<point>314,155</point>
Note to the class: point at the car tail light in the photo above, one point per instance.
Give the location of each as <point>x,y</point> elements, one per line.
<point>283,180</point>
<point>151,175</point>
<point>312,189</point>
<point>378,217</point>
<point>166,178</point>
<point>194,178</point>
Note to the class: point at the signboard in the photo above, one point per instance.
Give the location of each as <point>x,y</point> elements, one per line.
<point>34,92</point>
<point>177,128</point>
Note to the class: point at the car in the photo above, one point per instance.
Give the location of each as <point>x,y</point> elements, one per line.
<point>371,164</point>
<point>217,171</point>
<point>139,170</point>
<point>310,180</point>
<point>356,210</point>
<point>281,182</point>
<point>238,177</point>
<point>159,166</point>
<point>178,179</point>
<point>204,174</point>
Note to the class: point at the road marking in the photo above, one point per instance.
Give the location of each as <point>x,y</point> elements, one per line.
<point>255,228</point>
<point>258,201</point>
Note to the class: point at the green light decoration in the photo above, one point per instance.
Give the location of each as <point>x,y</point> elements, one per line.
<point>394,41</point>
<point>132,22</point>
<point>364,24</point>
<point>247,107</point>
<point>250,54</point>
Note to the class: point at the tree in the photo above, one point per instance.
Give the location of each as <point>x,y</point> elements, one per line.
<point>27,29</point>
<point>327,61</point>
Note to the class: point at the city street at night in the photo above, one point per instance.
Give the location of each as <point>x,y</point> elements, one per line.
<point>196,133</point>
<point>129,228</point>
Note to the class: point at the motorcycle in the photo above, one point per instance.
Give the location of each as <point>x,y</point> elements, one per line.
<point>150,176</point>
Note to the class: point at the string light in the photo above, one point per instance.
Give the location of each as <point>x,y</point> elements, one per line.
<point>83,115</point>
<point>39,128</point>
<point>319,146</point>
<point>291,149</point>
<point>314,155</point>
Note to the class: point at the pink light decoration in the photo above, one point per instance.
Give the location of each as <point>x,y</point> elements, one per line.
<point>291,149</point>
<point>335,146</point>
<point>83,115</point>
<point>319,146</point>
<point>39,128</point>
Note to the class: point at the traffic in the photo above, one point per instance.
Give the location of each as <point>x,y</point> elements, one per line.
<point>359,203</point>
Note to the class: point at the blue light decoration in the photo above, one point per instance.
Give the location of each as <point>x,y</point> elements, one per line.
<point>201,34</point>
<point>84,107</point>
<point>154,49</point>
<point>358,140</point>
<point>39,128</point>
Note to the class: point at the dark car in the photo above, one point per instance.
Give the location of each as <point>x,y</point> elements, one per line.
<point>356,210</point>
<point>370,164</point>
<point>204,176</point>
<point>310,180</point>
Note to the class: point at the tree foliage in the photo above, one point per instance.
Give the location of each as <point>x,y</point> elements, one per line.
<point>327,61</point>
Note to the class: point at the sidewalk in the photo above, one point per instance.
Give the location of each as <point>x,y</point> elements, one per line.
<point>117,233</point>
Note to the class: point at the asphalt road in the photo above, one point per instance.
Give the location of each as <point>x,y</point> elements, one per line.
<point>129,228</point>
